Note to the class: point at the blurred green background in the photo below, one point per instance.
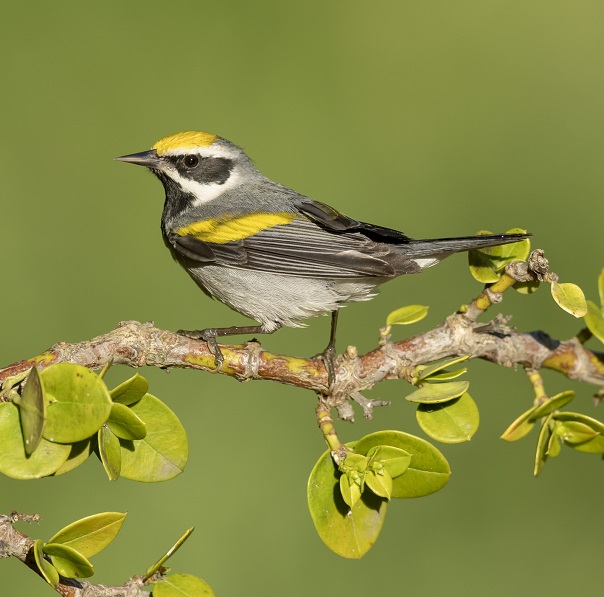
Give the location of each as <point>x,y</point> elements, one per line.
<point>438,118</point>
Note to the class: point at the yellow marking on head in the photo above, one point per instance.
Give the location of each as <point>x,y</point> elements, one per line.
<point>186,140</point>
<point>228,229</point>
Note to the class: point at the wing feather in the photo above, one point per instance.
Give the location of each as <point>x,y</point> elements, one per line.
<point>299,248</point>
<point>316,242</point>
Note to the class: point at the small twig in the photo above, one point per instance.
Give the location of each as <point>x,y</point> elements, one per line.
<point>584,335</point>
<point>17,545</point>
<point>537,383</point>
<point>325,423</point>
<point>489,296</point>
<point>368,404</point>
<point>535,268</point>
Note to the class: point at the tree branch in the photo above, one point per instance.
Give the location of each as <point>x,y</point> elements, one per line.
<point>136,344</point>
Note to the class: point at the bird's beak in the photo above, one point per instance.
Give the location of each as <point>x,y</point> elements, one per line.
<point>150,159</point>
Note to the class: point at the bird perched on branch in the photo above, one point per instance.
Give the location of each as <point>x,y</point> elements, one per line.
<point>269,252</point>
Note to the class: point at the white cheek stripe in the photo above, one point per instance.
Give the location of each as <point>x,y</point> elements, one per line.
<point>203,192</point>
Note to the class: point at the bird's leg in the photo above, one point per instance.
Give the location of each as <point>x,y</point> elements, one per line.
<point>329,354</point>
<point>209,336</point>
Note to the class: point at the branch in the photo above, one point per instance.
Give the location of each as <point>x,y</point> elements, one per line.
<point>136,344</point>
<point>15,544</point>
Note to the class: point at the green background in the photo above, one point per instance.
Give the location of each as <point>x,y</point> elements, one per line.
<point>438,118</point>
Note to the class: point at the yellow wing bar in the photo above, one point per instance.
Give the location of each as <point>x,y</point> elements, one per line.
<point>227,229</point>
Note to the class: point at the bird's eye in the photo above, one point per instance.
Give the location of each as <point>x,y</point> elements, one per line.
<point>190,161</point>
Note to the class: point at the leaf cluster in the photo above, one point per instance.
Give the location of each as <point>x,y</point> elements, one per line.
<point>348,495</point>
<point>348,502</point>
<point>575,430</point>
<point>65,413</point>
<point>66,554</point>
<point>68,551</point>
<point>446,412</point>
<point>487,265</point>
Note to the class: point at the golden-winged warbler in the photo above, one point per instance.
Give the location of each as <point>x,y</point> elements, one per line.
<point>269,252</point>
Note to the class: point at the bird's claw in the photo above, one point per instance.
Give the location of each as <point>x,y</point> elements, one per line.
<point>328,357</point>
<point>209,337</point>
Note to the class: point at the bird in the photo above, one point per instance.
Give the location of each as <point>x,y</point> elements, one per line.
<point>269,252</point>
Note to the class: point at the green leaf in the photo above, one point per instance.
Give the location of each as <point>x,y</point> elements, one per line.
<point>435,393</point>
<point>49,572</point>
<point>155,567</point>
<point>182,585</point>
<point>553,447</point>
<point>594,320</point>
<point>80,451</point>
<point>520,427</point>
<point>110,452</point>
<point>428,472</point>
<point>394,460</point>
<point>407,315</point>
<point>124,423</point>
<point>92,534</point>
<point>542,446</point>
<point>527,287</point>
<point>163,453</point>
<point>380,482</point>
<point>130,391</point>
<point>78,403</point>
<point>570,298</point>
<point>505,254</point>
<point>601,288</point>
<point>32,411</point>
<point>488,260</point>
<point>448,375</point>
<point>551,405</point>
<point>348,532</point>
<point>573,432</point>
<point>354,462</point>
<point>68,562</point>
<point>350,490</point>
<point>593,446</point>
<point>14,462</point>
<point>429,371</point>
<point>451,423</point>
<point>482,267</point>
<point>13,380</point>
<point>581,418</point>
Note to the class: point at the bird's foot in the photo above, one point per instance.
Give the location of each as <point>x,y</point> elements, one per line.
<point>328,356</point>
<point>209,337</point>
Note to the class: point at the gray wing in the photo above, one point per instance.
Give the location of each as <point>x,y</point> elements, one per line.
<point>303,248</point>
<point>319,243</point>
<point>324,243</point>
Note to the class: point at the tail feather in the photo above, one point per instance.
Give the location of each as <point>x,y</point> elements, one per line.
<point>442,247</point>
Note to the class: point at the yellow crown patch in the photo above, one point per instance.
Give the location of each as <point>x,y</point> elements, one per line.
<point>186,140</point>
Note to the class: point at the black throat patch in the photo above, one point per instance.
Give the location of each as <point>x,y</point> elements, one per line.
<point>177,200</point>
